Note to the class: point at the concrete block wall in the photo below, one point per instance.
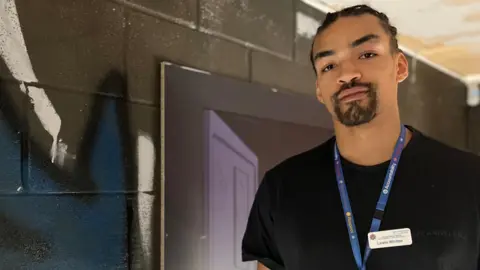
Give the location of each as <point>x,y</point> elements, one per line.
<point>269,44</point>
<point>79,121</point>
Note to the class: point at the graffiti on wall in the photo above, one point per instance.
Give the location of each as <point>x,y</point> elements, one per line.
<point>76,184</point>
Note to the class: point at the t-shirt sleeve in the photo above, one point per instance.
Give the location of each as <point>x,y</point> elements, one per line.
<point>259,240</point>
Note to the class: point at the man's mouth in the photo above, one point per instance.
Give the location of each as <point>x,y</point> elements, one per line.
<point>352,94</point>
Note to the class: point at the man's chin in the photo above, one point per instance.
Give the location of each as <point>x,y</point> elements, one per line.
<point>357,122</point>
<point>353,107</point>
<point>355,118</point>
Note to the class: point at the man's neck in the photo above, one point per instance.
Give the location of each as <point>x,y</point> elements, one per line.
<point>369,144</point>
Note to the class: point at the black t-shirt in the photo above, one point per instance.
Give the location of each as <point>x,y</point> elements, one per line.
<point>297,220</point>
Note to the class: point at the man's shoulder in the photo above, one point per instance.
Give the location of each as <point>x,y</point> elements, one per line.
<point>307,159</point>
<point>449,156</point>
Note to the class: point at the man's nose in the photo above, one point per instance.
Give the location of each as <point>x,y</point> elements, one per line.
<point>348,74</point>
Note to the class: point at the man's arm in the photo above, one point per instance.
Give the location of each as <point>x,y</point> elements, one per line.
<point>258,240</point>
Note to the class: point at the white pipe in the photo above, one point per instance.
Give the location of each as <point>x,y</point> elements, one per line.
<point>472,78</point>
<point>473,95</point>
<point>473,91</point>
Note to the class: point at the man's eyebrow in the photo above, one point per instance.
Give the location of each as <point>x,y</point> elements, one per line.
<point>321,54</point>
<point>363,39</point>
<point>354,44</point>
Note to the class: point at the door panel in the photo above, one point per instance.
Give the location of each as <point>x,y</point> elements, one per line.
<point>232,174</point>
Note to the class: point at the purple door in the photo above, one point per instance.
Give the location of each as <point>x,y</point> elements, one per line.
<point>232,173</point>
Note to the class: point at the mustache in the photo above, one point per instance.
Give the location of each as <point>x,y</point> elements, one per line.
<point>351,84</point>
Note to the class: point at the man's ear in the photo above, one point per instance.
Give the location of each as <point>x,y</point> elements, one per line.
<point>318,93</point>
<point>402,67</point>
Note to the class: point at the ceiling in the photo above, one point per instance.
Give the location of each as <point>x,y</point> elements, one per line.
<point>443,33</point>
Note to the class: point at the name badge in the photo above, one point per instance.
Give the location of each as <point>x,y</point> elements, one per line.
<point>390,238</point>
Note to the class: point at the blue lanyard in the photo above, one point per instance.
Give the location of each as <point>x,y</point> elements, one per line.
<point>382,201</point>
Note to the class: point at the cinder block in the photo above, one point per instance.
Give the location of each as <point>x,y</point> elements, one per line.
<point>276,72</point>
<point>182,9</point>
<point>78,232</point>
<point>261,22</point>
<point>11,126</point>
<point>151,40</point>
<point>71,44</point>
<point>435,103</point>
<point>474,129</point>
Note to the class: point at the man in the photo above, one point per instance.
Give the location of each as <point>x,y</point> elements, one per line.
<point>419,197</point>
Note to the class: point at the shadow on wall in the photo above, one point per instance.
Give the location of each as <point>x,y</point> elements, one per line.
<point>77,180</point>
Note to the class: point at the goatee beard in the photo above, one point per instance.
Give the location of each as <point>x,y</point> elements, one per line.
<point>355,113</point>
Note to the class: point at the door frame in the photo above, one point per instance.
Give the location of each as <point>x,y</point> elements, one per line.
<point>185,88</point>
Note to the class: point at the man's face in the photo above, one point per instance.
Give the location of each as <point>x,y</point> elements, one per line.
<point>357,75</point>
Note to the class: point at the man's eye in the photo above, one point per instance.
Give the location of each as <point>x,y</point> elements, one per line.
<point>368,55</point>
<point>327,68</point>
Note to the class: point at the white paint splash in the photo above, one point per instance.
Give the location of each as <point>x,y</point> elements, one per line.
<point>146,169</point>
<point>14,53</point>
<point>306,25</point>
<point>145,210</point>
<point>12,44</point>
<point>145,161</point>
<point>49,118</point>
